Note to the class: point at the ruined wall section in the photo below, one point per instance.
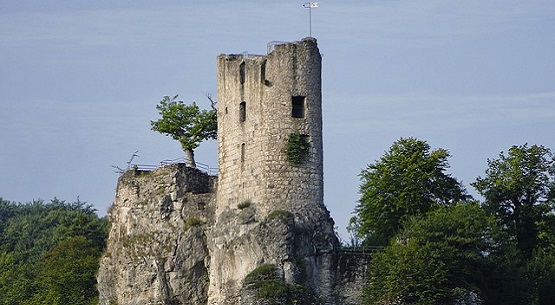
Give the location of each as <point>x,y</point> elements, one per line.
<point>241,126</point>
<point>350,271</point>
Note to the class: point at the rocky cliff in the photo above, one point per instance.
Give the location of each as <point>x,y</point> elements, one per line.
<point>165,235</point>
<point>157,249</point>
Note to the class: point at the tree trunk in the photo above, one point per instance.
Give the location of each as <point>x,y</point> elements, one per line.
<point>190,156</point>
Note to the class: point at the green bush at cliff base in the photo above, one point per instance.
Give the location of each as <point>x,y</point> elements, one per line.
<point>273,290</point>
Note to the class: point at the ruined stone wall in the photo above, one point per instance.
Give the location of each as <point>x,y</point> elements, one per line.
<point>350,276</point>
<point>239,147</point>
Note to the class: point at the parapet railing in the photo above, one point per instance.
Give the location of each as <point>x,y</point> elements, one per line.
<point>201,166</point>
<point>212,171</point>
<point>272,45</point>
<point>248,55</point>
<point>269,49</point>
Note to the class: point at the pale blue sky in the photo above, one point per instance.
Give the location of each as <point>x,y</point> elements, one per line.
<point>80,81</point>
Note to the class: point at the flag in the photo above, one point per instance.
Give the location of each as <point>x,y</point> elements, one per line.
<point>310,5</point>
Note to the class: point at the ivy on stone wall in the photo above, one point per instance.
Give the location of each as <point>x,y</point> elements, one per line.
<point>297,148</point>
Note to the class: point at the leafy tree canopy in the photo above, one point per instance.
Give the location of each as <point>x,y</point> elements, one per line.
<point>408,180</point>
<point>187,124</point>
<point>519,188</point>
<point>447,256</point>
<point>49,253</point>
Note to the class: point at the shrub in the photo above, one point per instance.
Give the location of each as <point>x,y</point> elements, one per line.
<point>282,215</point>
<point>273,290</point>
<point>192,222</point>
<point>297,148</point>
<point>245,204</point>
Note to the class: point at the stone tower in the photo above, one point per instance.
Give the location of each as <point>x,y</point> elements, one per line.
<point>262,100</point>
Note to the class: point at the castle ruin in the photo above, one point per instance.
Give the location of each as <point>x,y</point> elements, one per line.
<point>180,236</point>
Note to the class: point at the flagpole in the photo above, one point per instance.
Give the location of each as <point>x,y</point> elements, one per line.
<point>310,21</point>
<point>309,6</point>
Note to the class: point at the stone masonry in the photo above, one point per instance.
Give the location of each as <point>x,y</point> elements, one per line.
<point>254,121</point>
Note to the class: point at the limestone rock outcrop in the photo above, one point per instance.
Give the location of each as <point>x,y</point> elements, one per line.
<point>156,252</point>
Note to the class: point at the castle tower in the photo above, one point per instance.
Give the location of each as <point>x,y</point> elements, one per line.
<point>262,100</point>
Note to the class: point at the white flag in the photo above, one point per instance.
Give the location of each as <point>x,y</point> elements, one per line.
<point>310,5</point>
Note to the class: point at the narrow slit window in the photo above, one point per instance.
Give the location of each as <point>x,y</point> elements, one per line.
<point>297,106</point>
<point>242,111</point>
<point>242,73</point>
<point>242,152</point>
<point>263,72</point>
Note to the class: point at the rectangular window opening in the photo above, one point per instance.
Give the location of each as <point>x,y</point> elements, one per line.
<point>242,111</point>
<point>297,106</point>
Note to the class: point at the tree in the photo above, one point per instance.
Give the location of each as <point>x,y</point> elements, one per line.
<point>49,253</point>
<point>539,279</point>
<point>187,124</point>
<point>67,273</point>
<point>16,280</point>
<point>519,188</point>
<point>444,257</point>
<point>408,180</point>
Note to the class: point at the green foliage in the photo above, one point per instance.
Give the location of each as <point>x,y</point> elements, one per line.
<point>137,240</point>
<point>519,188</point>
<point>245,204</point>
<point>297,148</point>
<point>408,180</point>
<point>273,290</point>
<point>67,272</point>
<point>434,258</point>
<point>500,252</point>
<point>187,124</point>
<point>539,279</point>
<point>193,222</point>
<point>261,273</point>
<point>49,253</point>
<point>282,215</point>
